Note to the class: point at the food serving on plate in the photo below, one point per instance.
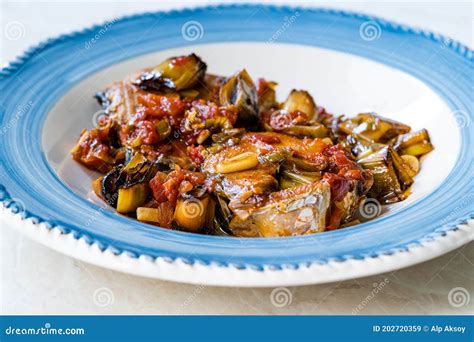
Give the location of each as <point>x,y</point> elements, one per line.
<point>184,149</point>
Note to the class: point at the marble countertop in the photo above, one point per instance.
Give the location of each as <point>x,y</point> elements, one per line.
<point>37,280</point>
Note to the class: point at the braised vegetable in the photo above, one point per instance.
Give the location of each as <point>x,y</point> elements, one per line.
<point>129,199</point>
<point>412,162</point>
<point>301,101</point>
<point>162,214</point>
<point>148,215</point>
<point>361,146</point>
<point>373,127</point>
<point>239,92</point>
<point>289,179</point>
<point>391,174</point>
<point>176,73</point>
<point>315,131</point>
<point>182,149</point>
<point>266,95</point>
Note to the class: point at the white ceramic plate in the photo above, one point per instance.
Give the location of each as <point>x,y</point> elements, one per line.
<point>48,196</point>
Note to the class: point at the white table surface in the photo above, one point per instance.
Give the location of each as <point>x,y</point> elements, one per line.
<point>36,280</point>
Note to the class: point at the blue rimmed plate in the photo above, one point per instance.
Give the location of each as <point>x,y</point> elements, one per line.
<point>349,62</point>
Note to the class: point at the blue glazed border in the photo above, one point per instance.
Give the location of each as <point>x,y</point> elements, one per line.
<point>28,185</point>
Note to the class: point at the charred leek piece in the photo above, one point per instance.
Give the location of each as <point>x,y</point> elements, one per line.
<point>162,215</point>
<point>148,215</point>
<point>135,161</point>
<point>221,219</point>
<point>413,143</point>
<point>290,179</point>
<point>138,170</point>
<point>417,149</point>
<point>406,140</point>
<point>390,175</point>
<point>302,101</point>
<point>110,184</point>
<point>277,156</point>
<point>223,210</point>
<point>373,127</point>
<point>210,213</point>
<point>129,199</point>
<point>313,131</point>
<point>246,183</point>
<point>267,96</point>
<point>239,91</point>
<point>178,73</point>
<point>360,146</point>
<point>404,173</point>
<point>296,211</point>
<point>140,173</point>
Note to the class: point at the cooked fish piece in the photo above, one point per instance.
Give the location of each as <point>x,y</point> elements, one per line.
<point>349,204</point>
<point>244,184</point>
<point>263,143</point>
<point>295,211</point>
<point>249,168</point>
<point>120,101</point>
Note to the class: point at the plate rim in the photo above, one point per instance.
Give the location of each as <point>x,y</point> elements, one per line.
<point>459,48</point>
<point>232,275</point>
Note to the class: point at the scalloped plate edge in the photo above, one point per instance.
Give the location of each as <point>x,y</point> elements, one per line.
<point>215,275</point>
